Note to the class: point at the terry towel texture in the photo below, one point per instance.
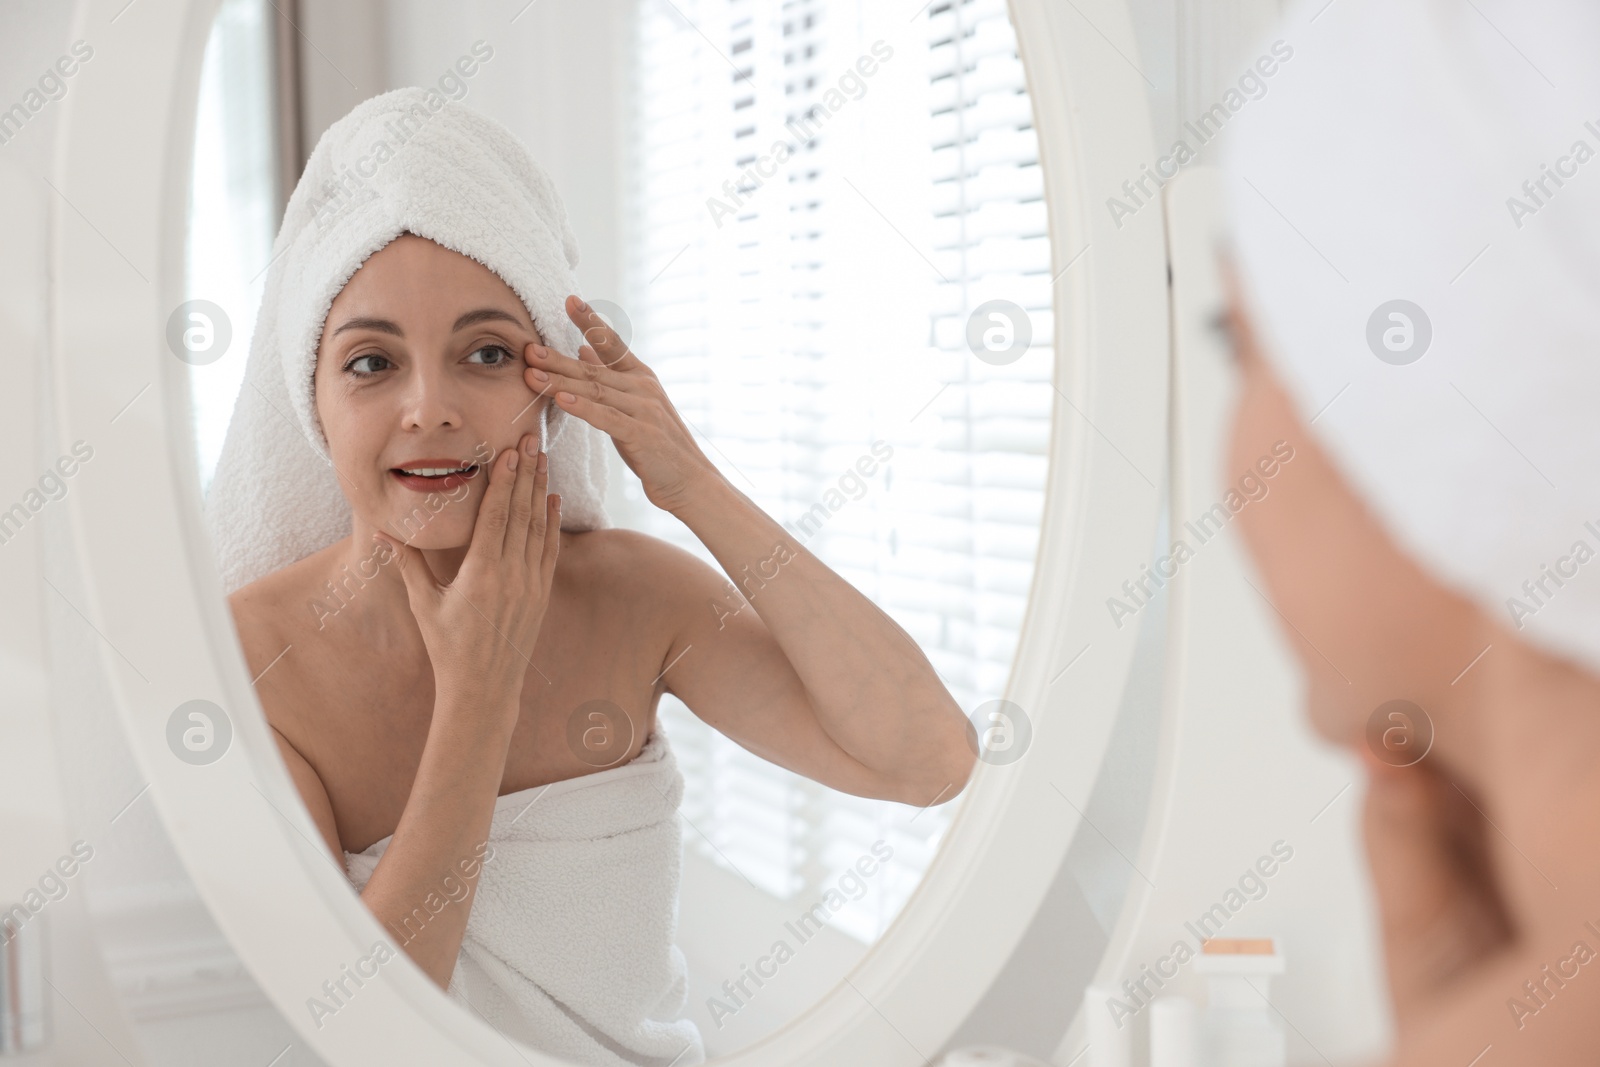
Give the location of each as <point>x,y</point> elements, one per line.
<point>392,165</point>
<point>569,944</point>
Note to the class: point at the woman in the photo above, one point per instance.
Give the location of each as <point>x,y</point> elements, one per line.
<point>468,662</point>
<point>1425,544</point>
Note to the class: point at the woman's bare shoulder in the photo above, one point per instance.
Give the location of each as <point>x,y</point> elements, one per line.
<point>270,611</point>
<point>649,587</point>
<point>633,562</point>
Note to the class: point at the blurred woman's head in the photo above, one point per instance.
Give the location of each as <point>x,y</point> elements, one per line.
<point>1429,355</point>
<point>1367,625</point>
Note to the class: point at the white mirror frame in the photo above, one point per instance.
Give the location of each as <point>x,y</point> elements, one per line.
<point>122,170</point>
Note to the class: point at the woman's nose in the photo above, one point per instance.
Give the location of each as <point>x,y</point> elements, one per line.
<point>431,400</point>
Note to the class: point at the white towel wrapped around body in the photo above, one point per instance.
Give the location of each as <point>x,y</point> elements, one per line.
<point>569,944</point>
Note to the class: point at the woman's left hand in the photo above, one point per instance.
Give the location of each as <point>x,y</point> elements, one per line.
<point>612,389</point>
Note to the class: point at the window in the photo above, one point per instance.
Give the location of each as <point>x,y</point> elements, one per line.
<point>822,195</point>
<point>233,208</point>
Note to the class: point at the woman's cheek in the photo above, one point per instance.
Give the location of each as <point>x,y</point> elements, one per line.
<point>1275,544</point>
<point>1251,436</point>
<point>355,462</point>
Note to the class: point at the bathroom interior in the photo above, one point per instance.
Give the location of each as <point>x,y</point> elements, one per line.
<point>1154,857</point>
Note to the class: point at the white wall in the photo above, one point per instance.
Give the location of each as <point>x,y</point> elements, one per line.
<point>556,79</point>
<point>29,42</point>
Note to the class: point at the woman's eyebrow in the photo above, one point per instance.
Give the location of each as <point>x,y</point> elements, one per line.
<point>472,318</point>
<point>381,325</point>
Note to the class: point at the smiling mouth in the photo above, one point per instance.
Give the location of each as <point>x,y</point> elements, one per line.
<point>436,472</point>
<point>433,477</point>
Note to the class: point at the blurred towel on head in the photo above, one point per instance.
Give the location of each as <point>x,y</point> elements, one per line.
<point>1415,220</point>
<point>408,161</point>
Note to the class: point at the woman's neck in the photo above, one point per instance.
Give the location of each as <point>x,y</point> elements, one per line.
<point>1535,714</point>
<point>362,579</point>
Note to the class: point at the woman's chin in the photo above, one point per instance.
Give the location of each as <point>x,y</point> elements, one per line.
<point>432,520</point>
<point>432,541</point>
<point>431,533</point>
<point>1332,717</point>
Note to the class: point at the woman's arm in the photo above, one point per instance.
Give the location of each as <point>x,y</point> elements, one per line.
<point>452,801</point>
<point>850,667</point>
<point>442,832</point>
<point>476,630</point>
<point>841,663</point>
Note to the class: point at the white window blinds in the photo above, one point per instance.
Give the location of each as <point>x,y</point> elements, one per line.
<point>822,194</point>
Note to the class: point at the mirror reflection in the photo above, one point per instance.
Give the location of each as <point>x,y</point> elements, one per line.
<point>625,463</point>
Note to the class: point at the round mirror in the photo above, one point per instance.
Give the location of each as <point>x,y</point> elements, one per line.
<point>848,288</point>
<point>854,248</point>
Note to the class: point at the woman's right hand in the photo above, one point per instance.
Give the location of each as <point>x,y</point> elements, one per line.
<point>480,629</point>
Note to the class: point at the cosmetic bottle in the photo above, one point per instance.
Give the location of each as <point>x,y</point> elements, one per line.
<point>1239,1028</point>
<point>1109,1044</point>
<point>1174,1032</point>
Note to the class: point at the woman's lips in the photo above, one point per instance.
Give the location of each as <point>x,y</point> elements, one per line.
<point>426,484</point>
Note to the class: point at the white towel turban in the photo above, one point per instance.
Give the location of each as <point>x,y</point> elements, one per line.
<point>1417,151</point>
<point>407,161</point>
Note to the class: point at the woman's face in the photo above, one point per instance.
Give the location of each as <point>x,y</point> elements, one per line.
<point>420,368</point>
<point>1367,625</point>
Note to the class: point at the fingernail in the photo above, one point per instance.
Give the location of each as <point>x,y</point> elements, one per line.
<point>511,464</point>
<point>539,374</point>
<point>530,445</point>
<point>544,462</point>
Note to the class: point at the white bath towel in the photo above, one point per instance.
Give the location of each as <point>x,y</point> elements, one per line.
<point>407,161</point>
<point>569,944</point>
<point>1416,222</point>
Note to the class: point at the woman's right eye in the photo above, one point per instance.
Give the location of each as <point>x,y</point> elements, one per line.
<point>354,366</point>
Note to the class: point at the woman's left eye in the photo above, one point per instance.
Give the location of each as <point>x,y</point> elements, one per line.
<point>355,369</point>
<point>504,352</point>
